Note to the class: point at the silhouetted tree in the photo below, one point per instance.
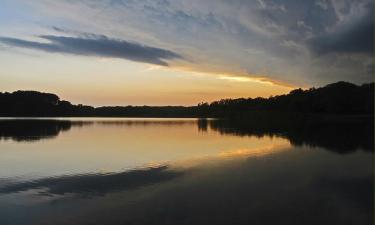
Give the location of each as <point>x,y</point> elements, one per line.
<point>336,98</point>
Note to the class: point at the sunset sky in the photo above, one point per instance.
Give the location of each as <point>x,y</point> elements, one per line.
<point>182,52</point>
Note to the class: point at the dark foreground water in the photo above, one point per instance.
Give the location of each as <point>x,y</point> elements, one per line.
<point>184,171</point>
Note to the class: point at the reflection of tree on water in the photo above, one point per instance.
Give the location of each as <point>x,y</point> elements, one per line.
<point>340,134</point>
<point>34,130</point>
<point>337,133</point>
<point>37,129</point>
<point>202,124</point>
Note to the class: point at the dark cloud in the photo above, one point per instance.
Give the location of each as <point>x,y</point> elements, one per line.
<point>370,68</point>
<point>97,45</point>
<point>356,37</point>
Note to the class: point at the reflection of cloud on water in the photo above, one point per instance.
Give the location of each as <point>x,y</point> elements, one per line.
<point>212,190</point>
<point>256,152</point>
<point>275,146</point>
<point>93,184</point>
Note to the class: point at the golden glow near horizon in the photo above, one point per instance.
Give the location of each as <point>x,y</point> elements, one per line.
<point>102,81</point>
<point>160,56</point>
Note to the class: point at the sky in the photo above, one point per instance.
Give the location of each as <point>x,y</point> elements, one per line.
<point>182,52</point>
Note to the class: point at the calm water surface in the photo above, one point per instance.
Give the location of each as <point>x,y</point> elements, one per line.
<point>183,171</point>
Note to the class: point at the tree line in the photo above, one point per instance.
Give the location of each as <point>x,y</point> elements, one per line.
<point>336,98</point>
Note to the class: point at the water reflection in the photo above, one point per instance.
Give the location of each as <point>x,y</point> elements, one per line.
<point>35,129</point>
<point>93,184</point>
<point>294,187</point>
<point>155,171</point>
<point>340,136</point>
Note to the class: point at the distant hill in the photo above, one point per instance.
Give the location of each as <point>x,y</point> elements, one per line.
<point>336,98</point>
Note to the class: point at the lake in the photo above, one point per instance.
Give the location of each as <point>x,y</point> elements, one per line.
<point>184,171</point>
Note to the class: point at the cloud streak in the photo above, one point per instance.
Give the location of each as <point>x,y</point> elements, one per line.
<point>99,46</point>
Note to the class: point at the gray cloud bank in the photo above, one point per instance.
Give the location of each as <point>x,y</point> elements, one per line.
<point>97,45</point>
<point>310,42</point>
<point>356,36</point>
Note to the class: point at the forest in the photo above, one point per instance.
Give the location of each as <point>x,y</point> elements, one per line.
<point>337,98</point>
